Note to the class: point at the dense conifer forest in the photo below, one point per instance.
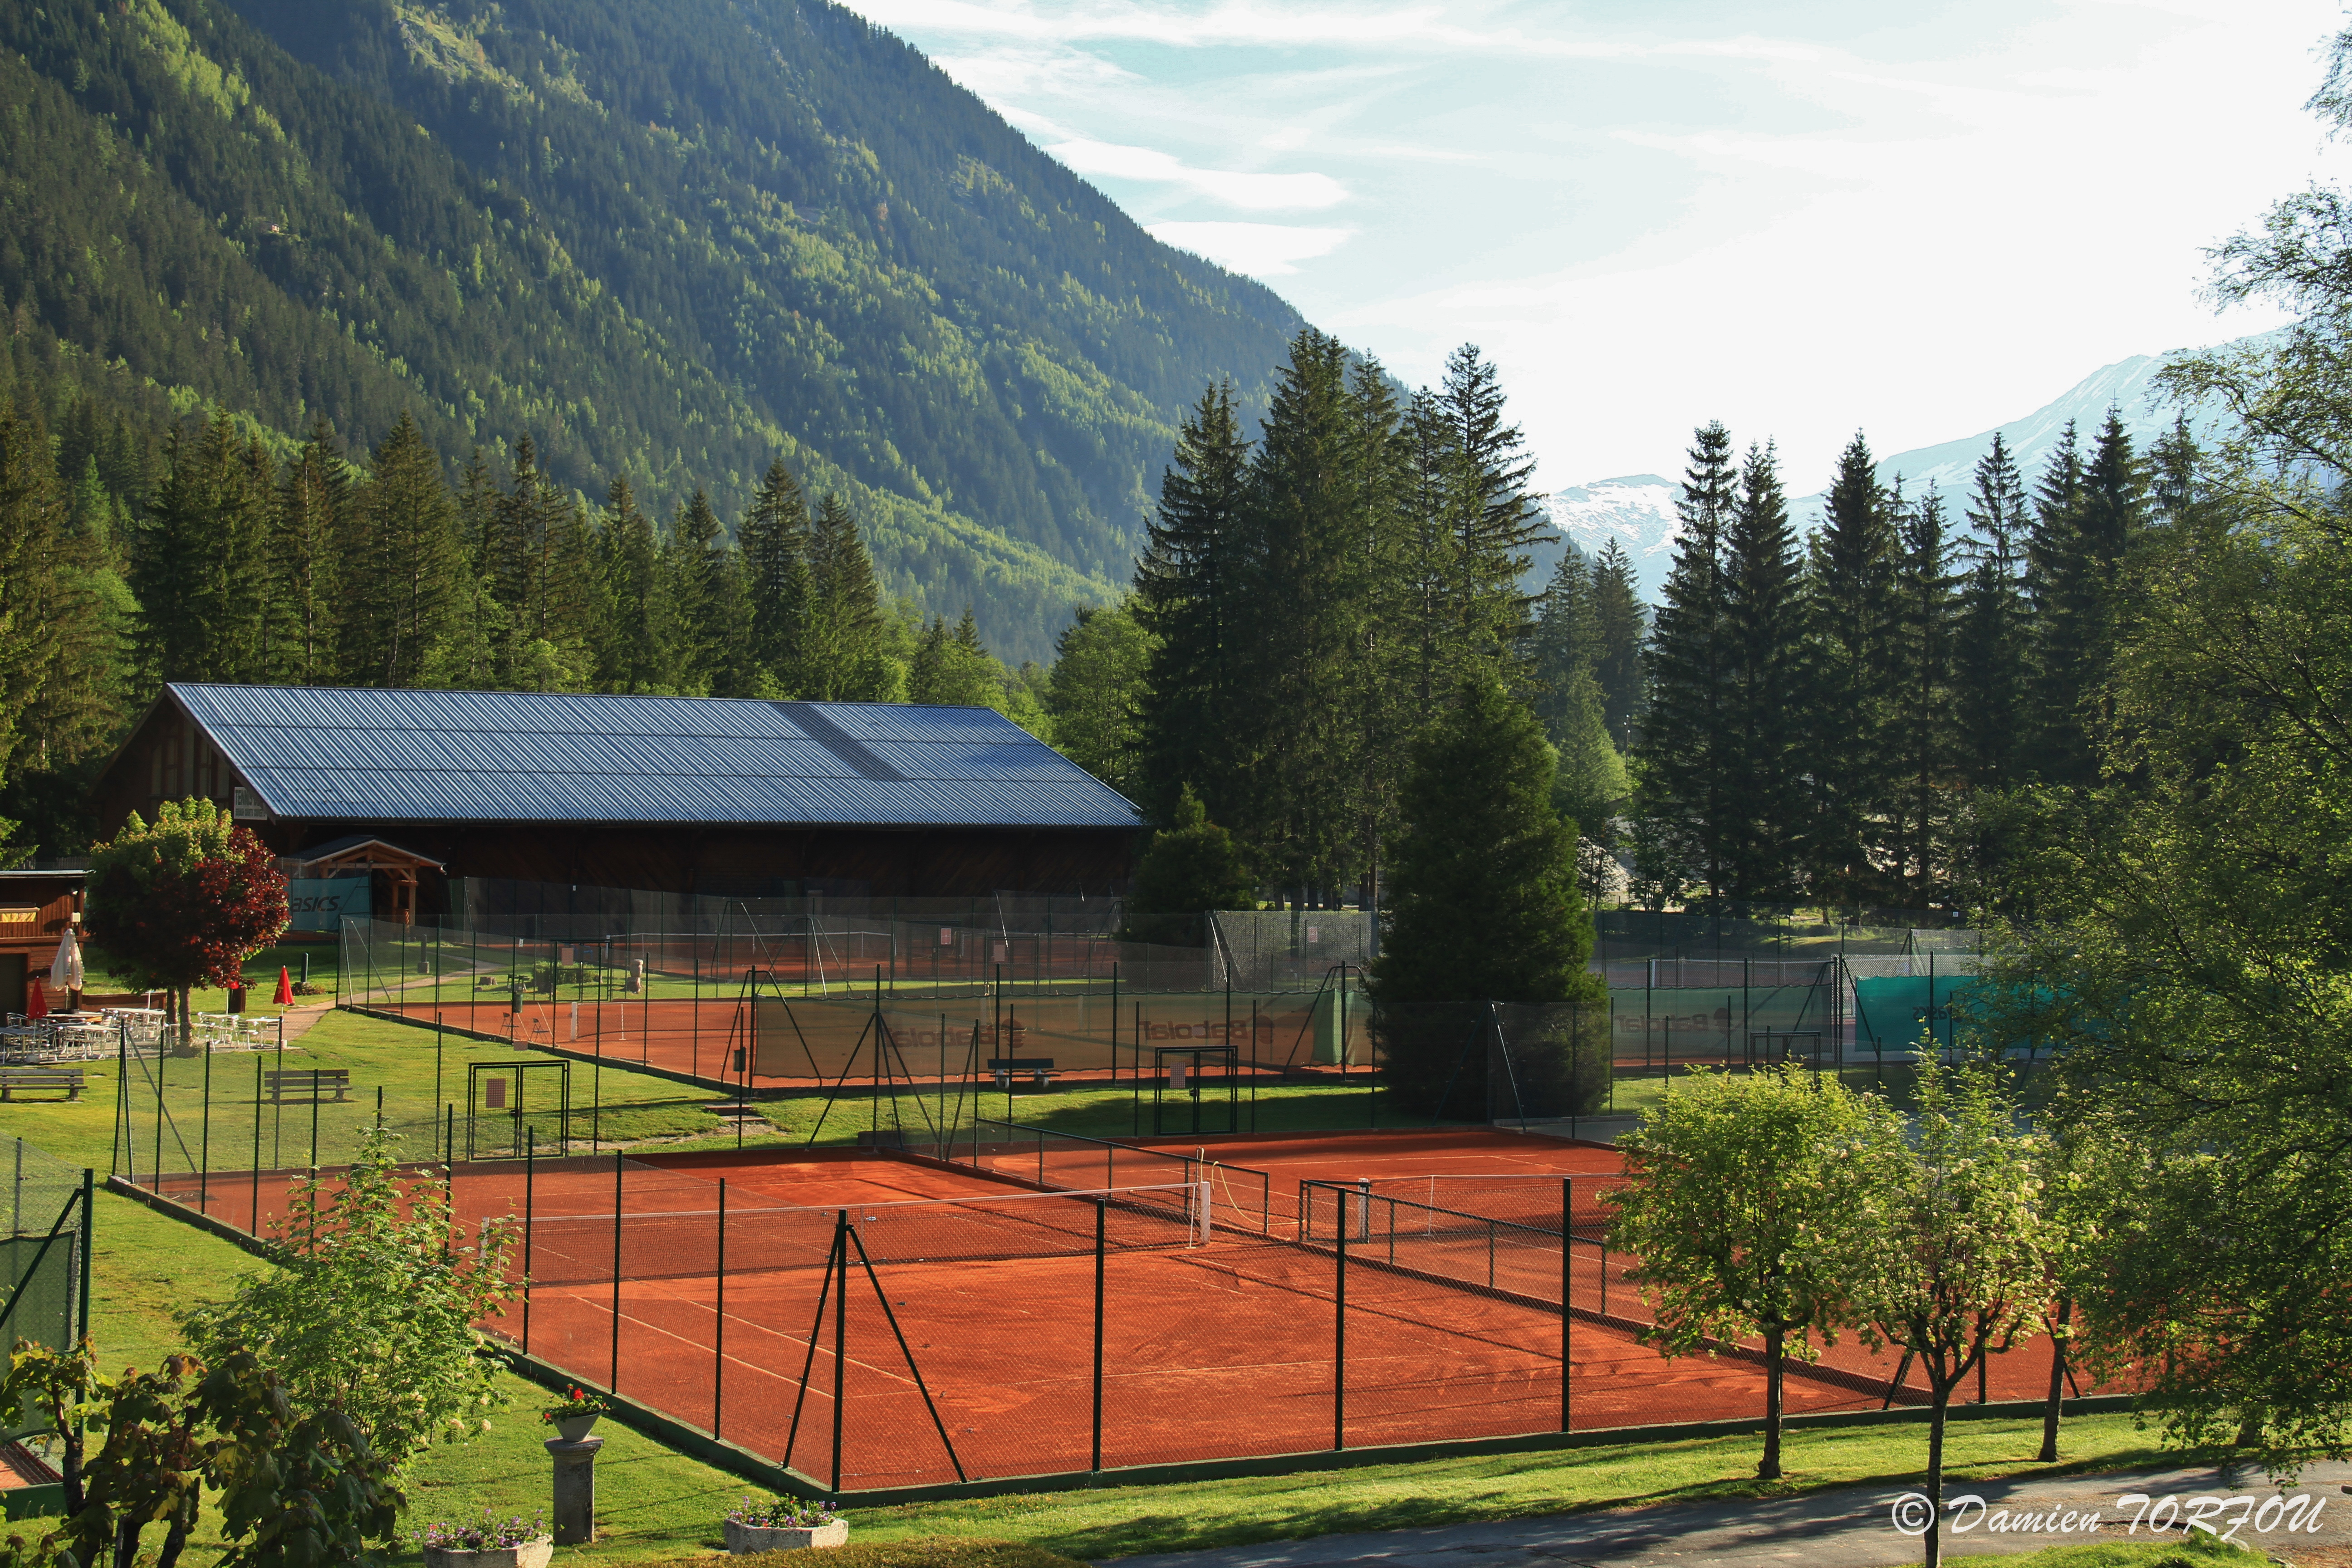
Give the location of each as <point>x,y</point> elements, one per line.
<point>667,243</point>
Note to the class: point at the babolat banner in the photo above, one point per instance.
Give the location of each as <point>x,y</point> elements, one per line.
<point>320,903</point>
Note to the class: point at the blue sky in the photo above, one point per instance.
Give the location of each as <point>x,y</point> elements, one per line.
<point>1916,219</point>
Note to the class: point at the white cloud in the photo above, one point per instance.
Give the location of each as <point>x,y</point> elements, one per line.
<point>1258,249</point>
<point>1232,186</point>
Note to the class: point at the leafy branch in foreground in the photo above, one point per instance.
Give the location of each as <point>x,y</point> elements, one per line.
<point>373,1306</point>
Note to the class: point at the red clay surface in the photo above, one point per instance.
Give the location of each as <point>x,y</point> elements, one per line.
<point>1210,1350</point>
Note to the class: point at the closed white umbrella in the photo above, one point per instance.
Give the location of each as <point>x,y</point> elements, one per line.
<point>65,972</point>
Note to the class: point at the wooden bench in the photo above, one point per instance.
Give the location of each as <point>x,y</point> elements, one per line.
<point>1039,1070</point>
<point>67,1079</point>
<point>314,1083</point>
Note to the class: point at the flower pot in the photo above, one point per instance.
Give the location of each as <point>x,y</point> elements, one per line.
<point>743,1537</point>
<point>572,1429</point>
<point>536,1552</point>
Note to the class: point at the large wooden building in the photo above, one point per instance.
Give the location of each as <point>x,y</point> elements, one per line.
<point>666,793</point>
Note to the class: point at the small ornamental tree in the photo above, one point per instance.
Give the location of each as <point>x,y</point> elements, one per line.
<point>1733,1183</point>
<point>1192,867</point>
<point>372,1306</point>
<point>185,902</point>
<point>1948,1253</point>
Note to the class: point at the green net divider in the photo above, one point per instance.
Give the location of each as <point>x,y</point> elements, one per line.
<point>44,1260</point>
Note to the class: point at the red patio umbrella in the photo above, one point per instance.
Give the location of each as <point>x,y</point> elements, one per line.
<point>285,987</point>
<point>37,1001</point>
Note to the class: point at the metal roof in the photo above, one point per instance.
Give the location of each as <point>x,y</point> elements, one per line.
<point>314,752</point>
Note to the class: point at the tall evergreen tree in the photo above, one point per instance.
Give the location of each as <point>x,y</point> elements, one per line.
<point>1379,455</point>
<point>1849,681</point>
<point>1762,630</point>
<point>311,534</point>
<point>1618,628</point>
<point>774,538</point>
<point>1565,639</point>
<point>2088,514</point>
<point>31,521</point>
<point>1493,509</point>
<point>204,537</point>
<point>1685,752</point>
<point>1188,598</point>
<point>696,571</point>
<point>638,653</point>
<point>403,586</point>
<point>1303,608</point>
<point>1989,670</point>
<point>1926,738</point>
<point>848,655</point>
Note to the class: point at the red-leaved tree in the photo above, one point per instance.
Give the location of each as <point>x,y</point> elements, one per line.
<point>185,902</point>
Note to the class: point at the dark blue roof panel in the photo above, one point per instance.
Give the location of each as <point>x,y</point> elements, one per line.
<point>520,756</point>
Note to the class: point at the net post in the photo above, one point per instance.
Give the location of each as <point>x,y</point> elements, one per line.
<point>719,1328</point>
<point>620,1171</point>
<point>840,1337</point>
<point>1102,1210</point>
<point>1567,1249</point>
<point>1340,1329</point>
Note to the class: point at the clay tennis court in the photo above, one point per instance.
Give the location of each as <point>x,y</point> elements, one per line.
<point>1214,1347</point>
<point>814,1042</point>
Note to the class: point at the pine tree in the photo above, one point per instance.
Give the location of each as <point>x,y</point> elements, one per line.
<point>310,535</point>
<point>1565,639</point>
<point>1685,779</point>
<point>1618,618</point>
<point>1926,742</point>
<point>638,653</point>
<point>1764,751</point>
<point>202,544</point>
<point>774,538</point>
<point>1379,455</point>
<point>1494,511</point>
<point>1849,681</point>
<point>695,571</point>
<point>2088,513</point>
<point>1424,572</point>
<point>1483,903</point>
<point>848,646</point>
<point>953,668</point>
<point>405,585</point>
<point>1989,647</point>
<point>1187,588</point>
<point>1303,606</point>
<point>31,521</point>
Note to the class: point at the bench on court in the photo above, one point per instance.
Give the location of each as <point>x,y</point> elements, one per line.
<point>67,1079</point>
<point>307,1086</point>
<point>1039,1070</point>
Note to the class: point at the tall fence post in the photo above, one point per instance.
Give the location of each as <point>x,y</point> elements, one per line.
<point>719,1327</point>
<point>620,1171</point>
<point>1339,1327</point>
<point>1567,1254</point>
<point>1102,1209</point>
<point>840,1338</point>
<point>529,1164</point>
<point>89,1236</point>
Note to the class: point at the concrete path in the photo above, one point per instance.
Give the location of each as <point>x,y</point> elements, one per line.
<point>1851,1528</point>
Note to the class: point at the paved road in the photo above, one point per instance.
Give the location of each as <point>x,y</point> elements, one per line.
<point>1844,1528</point>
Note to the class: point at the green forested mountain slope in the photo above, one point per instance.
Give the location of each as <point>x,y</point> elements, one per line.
<point>670,240</point>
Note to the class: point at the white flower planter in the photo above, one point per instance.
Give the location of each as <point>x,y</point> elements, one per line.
<point>743,1537</point>
<point>537,1553</point>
